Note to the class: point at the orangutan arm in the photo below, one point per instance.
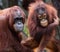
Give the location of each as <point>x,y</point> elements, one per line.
<point>53,25</point>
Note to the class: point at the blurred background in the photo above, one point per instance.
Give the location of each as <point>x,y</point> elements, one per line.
<point>23,4</point>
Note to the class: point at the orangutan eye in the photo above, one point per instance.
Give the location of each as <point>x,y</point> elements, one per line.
<point>44,15</point>
<point>39,16</point>
<point>18,19</point>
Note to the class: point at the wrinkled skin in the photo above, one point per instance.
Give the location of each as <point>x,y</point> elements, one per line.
<point>9,38</point>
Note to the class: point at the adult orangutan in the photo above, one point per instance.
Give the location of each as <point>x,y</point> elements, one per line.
<point>42,21</point>
<point>11,24</point>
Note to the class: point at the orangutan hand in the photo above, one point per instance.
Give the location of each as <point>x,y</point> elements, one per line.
<point>56,21</point>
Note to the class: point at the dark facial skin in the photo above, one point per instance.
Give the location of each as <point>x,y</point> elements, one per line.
<point>18,24</point>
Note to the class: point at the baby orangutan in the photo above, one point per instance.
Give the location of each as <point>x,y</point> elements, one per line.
<point>42,21</point>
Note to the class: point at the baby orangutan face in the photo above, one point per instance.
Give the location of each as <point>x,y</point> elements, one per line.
<point>42,16</point>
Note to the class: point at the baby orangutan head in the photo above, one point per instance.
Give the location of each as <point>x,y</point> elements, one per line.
<point>42,16</point>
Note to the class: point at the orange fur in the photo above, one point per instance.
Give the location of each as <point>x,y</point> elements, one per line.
<point>34,29</point>
<point>10,40</point>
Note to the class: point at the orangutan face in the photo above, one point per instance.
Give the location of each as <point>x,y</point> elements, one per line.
<point>42,16</point>
<point>18,22</point>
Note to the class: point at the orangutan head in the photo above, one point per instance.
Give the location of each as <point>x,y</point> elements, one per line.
<point>41,15</point>
<point>18,18</point>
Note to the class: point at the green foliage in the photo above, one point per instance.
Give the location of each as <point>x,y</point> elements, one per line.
<point>26,30</point>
